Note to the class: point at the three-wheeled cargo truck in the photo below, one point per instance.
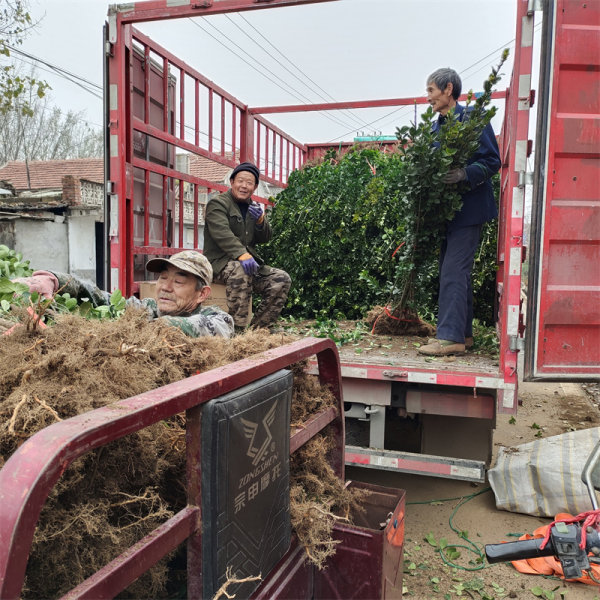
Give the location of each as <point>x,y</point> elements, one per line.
<point>237,517</point>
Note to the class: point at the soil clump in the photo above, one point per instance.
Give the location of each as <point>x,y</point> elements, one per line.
<point>382,321</point>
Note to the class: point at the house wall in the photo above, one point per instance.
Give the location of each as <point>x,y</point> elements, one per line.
<point>7,233</point>
<point>42,243</point>
<point>82,244</point>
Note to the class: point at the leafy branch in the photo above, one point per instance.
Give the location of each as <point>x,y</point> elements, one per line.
<point>427,203</point>
<point>15,22</point>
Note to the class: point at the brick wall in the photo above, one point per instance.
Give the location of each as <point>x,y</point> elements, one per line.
<point>71,190</point>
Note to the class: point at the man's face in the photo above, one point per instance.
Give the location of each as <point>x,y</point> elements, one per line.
<point>243,186</point>
<point>176,292</point>
<point>440,100</point>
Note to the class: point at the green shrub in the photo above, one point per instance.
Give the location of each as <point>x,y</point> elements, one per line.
<point>365,228</point>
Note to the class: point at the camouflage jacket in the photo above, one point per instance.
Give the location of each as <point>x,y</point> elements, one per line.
<point>204,320</point>
<point>227,235</point>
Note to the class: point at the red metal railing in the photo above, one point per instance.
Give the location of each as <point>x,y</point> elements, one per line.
<point>159,104</point>
<point>160,107</point>
<point>30,474</point>
<point>514,150</point>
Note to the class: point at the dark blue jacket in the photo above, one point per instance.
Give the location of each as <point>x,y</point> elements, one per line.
<point>479,205</point>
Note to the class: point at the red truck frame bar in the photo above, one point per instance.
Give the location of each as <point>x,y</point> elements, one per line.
<point>32,471</point>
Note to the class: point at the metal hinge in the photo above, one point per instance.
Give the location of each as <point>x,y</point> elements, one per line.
<point>525,178</point>
<point>535,6</point>
<point>516,343</point>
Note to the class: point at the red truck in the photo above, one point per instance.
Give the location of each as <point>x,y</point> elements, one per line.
<point>158,104</point>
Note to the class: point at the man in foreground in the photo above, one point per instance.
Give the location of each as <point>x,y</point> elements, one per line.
<point>183,284</point>
<point>455,313</point>
<point>233,226</point>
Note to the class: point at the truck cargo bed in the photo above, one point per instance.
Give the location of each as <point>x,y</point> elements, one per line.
<point>401,351</point>
<point>386,354</point>
<point>412,413</point>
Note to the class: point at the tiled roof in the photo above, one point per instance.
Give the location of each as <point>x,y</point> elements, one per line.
<point>208,169</point>
<point>48,174</point>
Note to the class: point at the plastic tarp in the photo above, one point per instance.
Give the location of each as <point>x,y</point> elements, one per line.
<point>543,478</point>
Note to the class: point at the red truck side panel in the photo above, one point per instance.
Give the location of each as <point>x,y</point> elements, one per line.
<point>564,301</point>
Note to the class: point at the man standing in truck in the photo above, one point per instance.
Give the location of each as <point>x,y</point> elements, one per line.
<point>183,284</point>
<point>234,224</point>
<point>455,304</point>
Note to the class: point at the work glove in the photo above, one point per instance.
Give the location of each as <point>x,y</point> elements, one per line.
<point>42,282</point>
<point>256,213</point>
<point>455,176</point>
<point>249,265</point>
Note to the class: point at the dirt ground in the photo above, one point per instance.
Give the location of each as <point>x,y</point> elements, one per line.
<point>556,408</point>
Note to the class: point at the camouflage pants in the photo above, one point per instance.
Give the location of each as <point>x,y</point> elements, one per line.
<point>272,287</point>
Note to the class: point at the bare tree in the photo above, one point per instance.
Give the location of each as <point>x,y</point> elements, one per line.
<point>47,133</point>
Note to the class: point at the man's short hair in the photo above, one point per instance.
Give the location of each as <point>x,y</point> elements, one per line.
<point>442,77</point>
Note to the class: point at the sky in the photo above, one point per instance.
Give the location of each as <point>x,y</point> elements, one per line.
<point>344,50</point>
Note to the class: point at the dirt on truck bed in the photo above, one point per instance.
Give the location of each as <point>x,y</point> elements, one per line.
<point>359,346</point>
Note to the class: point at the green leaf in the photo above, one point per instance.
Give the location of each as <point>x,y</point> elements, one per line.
<point>11,287</point>
<point>452,553</point>
<point>116,297</point>
<point>430,539</point>
<point>71,303</point>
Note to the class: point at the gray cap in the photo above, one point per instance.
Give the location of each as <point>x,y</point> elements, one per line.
<point>189,261</point>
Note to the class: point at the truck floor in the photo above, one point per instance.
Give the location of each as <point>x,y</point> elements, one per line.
<point>397,351</point>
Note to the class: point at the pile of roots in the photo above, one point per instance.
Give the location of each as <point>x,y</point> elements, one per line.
<point>110,498</point>
<point>384,321</point>
<point>319,499</point>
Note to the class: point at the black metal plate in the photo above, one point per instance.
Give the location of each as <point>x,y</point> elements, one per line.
<point>245,483</point>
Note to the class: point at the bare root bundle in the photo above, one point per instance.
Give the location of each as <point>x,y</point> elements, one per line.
<point>382,321</point>
<point>110,498</point>
<point>319,499</point>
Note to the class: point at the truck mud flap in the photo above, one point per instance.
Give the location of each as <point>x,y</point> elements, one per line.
<point>419,464</point>
<point>245,483</point>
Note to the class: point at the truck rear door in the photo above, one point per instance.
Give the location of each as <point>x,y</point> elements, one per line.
<point>563,312</point>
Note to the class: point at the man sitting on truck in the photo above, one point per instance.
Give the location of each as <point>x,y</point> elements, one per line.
<point>183,284</point>
<point>455,312</point>
<point>234,224</point>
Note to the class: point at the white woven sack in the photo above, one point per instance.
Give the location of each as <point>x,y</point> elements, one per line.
<point>543,478</point>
